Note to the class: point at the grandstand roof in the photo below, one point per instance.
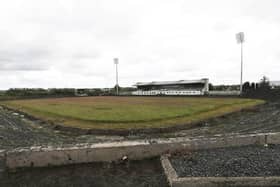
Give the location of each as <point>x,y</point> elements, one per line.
<point>171,82</point>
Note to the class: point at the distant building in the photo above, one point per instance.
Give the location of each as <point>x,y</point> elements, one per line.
<point>81,92</point>
<point>274,84</point>
<point>182,87</point>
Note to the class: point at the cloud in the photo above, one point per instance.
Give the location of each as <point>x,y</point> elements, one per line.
<point>23,59</point>
<point>72,43</point>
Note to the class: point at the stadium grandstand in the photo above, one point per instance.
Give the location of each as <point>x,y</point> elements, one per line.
<point>182,87</point>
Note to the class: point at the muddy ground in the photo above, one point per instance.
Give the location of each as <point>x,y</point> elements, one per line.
<point>18,131</point>
<point>251,161</point>
<point>143,173</point>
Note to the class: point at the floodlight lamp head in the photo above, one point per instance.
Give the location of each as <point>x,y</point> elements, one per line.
<point>240,37</point>
<point>116,60</point>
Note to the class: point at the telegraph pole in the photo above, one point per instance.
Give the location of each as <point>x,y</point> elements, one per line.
<point>116,62</point>
<point>240,40</point>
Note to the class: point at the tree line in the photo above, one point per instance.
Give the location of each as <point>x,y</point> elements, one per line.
<point>64,92</point>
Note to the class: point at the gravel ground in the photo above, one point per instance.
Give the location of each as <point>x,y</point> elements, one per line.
<point>264,118</point>
<point>145,173</point>
<point>229,162</point>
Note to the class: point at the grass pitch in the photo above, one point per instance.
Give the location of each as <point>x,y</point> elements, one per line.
<point>129,112</point>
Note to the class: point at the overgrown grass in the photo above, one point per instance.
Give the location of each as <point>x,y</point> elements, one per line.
<point>129,112</point>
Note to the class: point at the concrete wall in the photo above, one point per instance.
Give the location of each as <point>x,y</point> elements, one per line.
<point>224,93</point>
<point>169,171</point>
<point>134,150</point>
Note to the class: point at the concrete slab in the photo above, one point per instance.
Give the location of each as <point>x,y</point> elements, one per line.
<point>40,156</point>
<point>169,171</point>
<point>114,151</point>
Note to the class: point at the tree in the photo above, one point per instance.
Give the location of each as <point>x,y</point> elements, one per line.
<point>253,86</point>
<point>264,83</point>
<point>211,87</point>
<point>246,86</point>
<point>115,88</point>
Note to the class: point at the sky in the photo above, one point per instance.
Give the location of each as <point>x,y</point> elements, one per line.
<point>72,43</point>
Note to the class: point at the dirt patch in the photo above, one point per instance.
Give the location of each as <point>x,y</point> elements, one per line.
<point>251,161</point>
<point>131,173</point>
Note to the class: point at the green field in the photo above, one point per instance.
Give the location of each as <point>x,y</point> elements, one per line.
<point>129,112</point>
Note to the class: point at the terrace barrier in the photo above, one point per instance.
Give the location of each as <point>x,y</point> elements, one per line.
<point>116,151</point>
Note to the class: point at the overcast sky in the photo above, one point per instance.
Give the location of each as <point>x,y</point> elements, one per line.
<point>72,43</point>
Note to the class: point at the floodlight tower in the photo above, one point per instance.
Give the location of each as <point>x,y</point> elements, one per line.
<point>116,62</point>
<point>240,40</point>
